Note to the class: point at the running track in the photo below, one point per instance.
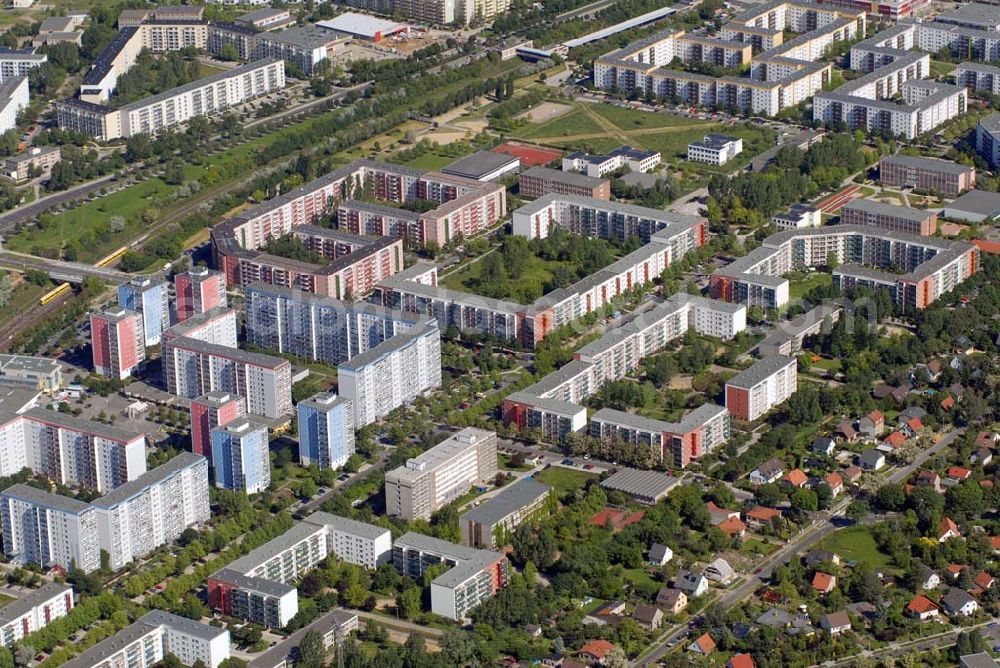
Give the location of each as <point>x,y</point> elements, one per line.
<point>837,200</point>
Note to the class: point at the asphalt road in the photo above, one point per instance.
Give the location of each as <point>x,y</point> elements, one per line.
<point>22,213</point>
<point>73,272</point>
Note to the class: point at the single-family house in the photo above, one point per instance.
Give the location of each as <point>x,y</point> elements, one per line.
<point>775,618</point>
<point>947,403</point>
<point>922,608</point>
<point>533,630</point>
<point>734,527</point>
<point>761,516</point>
<point>995,544</point>
<point>813,558</point>
<point>981,456</point>
<point>671,601</point>
<point>796,479</point>
<point>909,413</point>
<point>851,474</point>
<point>719,515</point>
<point>846,432</point>
<point>743,660</point>
<point>929,479</point>
<point>824,583</point>
<point>648,616</point>
<point>954,570</point>
<point>983,581</point>
<point>872,425</point>
<point>895,440</point>
<point>768,472</point>
<point>912,427</point>
<point>926,578</point>
<point>692,584</point>
<point>835,483</point>
<point>719,571</point>
<point>595,650</point>
<point>947,530</point>
<point>871,460</point>
<point>987,439</point>
<point>823,445</point>
<point>929,372</point>
<point>836,623</point>
<point>703,645</point>
<point>897,394</point>
<point>959,603</point>
<point>959,473</point>
<point>660,555</point>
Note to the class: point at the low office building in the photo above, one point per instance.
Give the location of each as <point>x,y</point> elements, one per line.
<point>974,206</point>
<point>149,640</point>
<point>760,388</point>
<point>473,576</point>
<point>539,181</point>
<point>393,373</point>
<point>888,217</point>
<point>442,474</point>
<point>798,216</point>
<point>788,336</point>
<point>192,368</point>
<point>491,524</point>
<point>48,530</point>
<point>944,176</point>
<point>36,160</point>
<point>634,159</point>
<point>211,410</point>
<point>33,611</point>
<point>240,459</point>
<point>326,430</point>
<point>484,166</point>
<point>154,509</point>
<point>266,19</point>
<point>646,487</point>
<point>40,373</point>
<point>355,542</point>
<point>715,149</point>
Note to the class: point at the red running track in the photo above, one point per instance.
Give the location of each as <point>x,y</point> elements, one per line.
<point>837,200</point>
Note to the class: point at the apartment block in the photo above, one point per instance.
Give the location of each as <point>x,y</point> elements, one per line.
<point>211,410</point>
<point>473,576</point>
<point>192,368</point>
<point>148,298</point>
<point>154,509</point>
<point>217,325</point>
<point>760,388</point>
<point>257,600</point>
<point>931,266</point>
<point>538,181</point>
<point>70,450</point>
<point>978,76</point>
<point>157,113</point>
<point>33,611</point>
<point>48,530</point>
<point>491,525</point>
<point>677,444</point>
<point>634,159</point>
<point>199,290</point>
<point>442,474</point>
<point>13,100</point>
<point>355,542</point>
<point>888,217</point>
<point>117,342</point>
<point>333,629</point>
<point>19,62</point>
<point>155,635</point>
<point>240,459</point>
<point>988,139</point>
<point>319,328</point>
<point>41,158</point>
<point>393,373</point>
<point>943,176</point>
<point>788,336</point>
<point>326,430</point>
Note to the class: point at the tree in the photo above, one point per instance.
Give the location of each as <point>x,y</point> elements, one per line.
<point>409,602</point>
<point>890,496</point>
<point>615,658</point>
<point>311,650</point>
<point>229,52</point>
<point>459,647</point>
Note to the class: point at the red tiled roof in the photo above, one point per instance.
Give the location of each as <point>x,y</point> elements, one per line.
<point>796,478</point>
<point>921,604</point>
<point>876,416</point>
<point>995,542</point>
<point>915,424</point>
<point>948,524</point>
<point>991,247</point>
<point>947,402</point>
<point>895,439</point>
<point>763,513</point>
<point>733,526</point>
<point>954,569</point>
<point>705,643</point>
<point>597,648</point>
<point>984,580</point>
<point>959,473</point>
<point>741,661</point>
<point>823,582</point>
<point>834,480</point>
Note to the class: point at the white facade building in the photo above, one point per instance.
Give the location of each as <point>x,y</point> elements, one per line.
<point>154,509</point>
<point>763,386</point>
<point>48,529</point>
<point>355,542</point>
<point>13,98</point>
<point>33,611</point>
<point>393,373</point>
<point>715,149</point>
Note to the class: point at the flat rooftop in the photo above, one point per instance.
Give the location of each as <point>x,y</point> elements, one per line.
<point>354,23</point>
<point>441,453</point>
<point>883,209</point>
<point>559,176</point>
<point>760,370</point>
<point>945,166</point>
<point>648,484</point>
<point>981,202</point>
<point>974,14</point>
<point>162,472</point>
<point>512,499</point>
<point>480,164</point>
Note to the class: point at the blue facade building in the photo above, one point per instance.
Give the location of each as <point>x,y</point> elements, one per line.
<point>326,430</point>
<point>149,298</point>
<point>240,459</point>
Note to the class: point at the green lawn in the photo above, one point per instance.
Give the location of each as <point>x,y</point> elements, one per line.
<point>757,547</point>
<point>857,544</point>
<point>632,119</point>
<point>25,297</point>
<point>564,479</point>
<point>206,70</point>
<point>537,271</point>
<point>431,161</point>
<point>798,288</point>
<point>831,365</point>
<point>939,68</point>
<point>573,123</point>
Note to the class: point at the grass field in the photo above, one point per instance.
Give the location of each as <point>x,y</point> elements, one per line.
<point>574,123</point>
<point>856,544</point>
<point>564,479</point>
<point>25,297</point>
<point>940,68</point>
<point>430,161</point>
<point>631,119</point>
<point>536,269</point>
<point>6,600</point>
<point>798,288</point>
<point>206,70</point>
